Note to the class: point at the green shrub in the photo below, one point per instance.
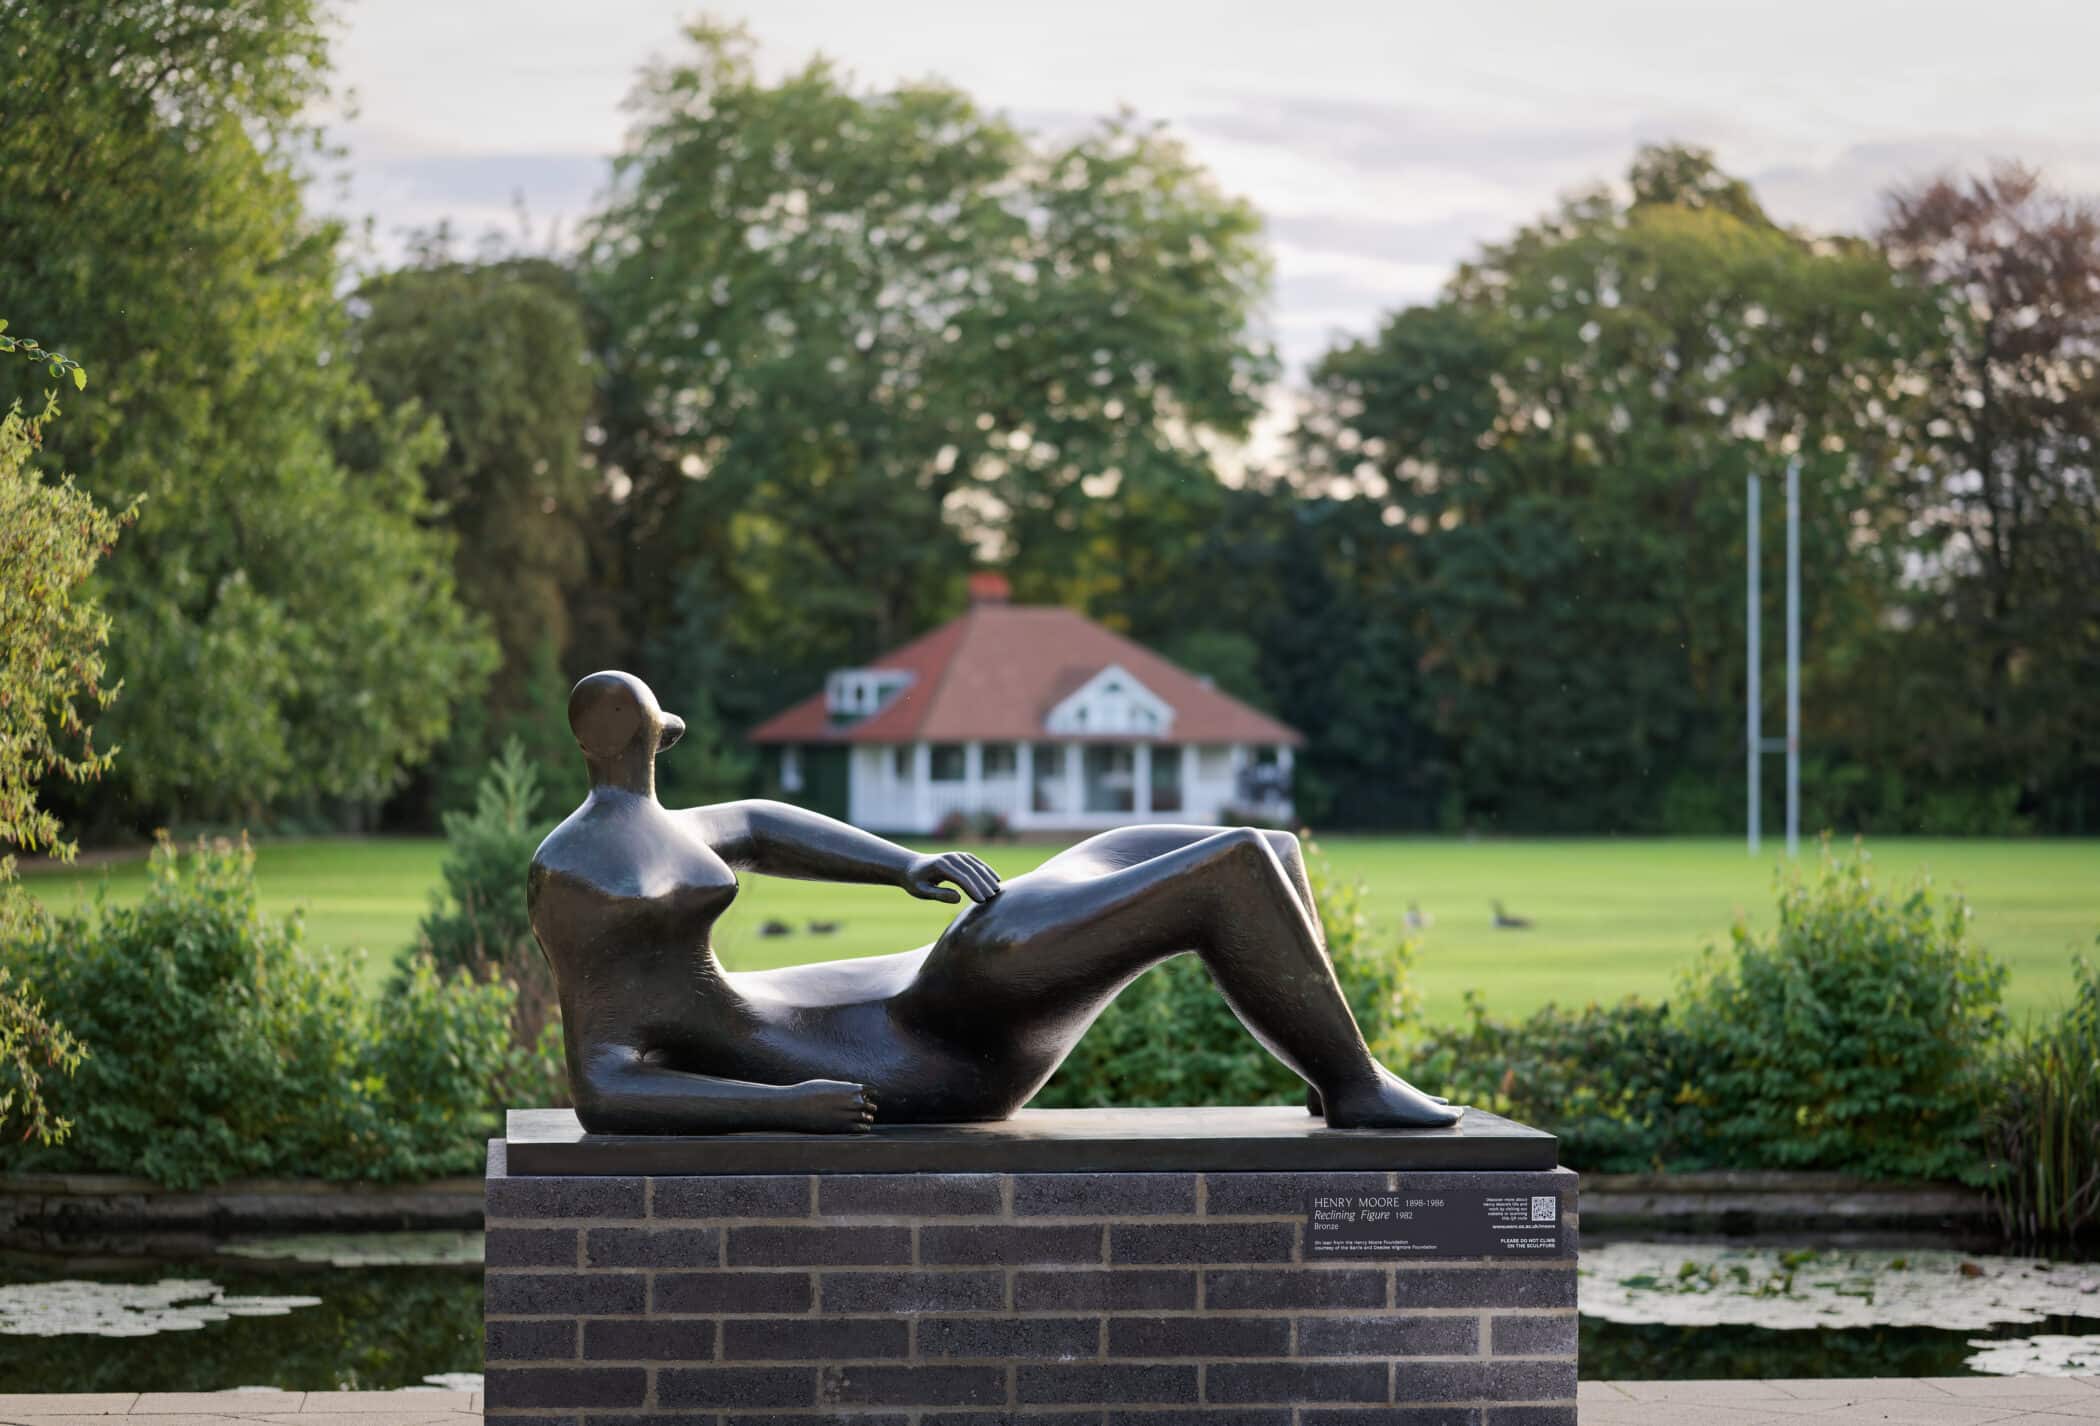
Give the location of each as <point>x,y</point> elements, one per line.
<point>1170,1039</point>
<point>30,1044</point>
<point>1858,1036</point>
<point>478,925</point>
<point>225,1047</point>
<point>2045,1129</point>
<point>478,921</point>
<point>1609,1080</point>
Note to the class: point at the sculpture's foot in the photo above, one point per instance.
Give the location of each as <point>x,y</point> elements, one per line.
<point>827,1106</point>
<point>1314,1107</point>
<point>1387,1102</point>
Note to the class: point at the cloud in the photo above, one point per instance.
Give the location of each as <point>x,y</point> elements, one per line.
<point>1383,138</point>
<point>409,190</point>
<point>1845,192</point>
<point>547,180</point>
<point>1435,240</point>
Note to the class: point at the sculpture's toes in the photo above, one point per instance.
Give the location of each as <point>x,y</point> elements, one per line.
<point>1390,1103</point>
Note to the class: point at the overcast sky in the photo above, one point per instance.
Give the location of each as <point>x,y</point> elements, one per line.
<point>1382,141</point>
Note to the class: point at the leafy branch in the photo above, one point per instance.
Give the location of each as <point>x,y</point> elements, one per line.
<point>56,363</point>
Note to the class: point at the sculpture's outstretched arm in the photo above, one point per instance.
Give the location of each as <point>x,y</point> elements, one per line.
<point>776,839</point>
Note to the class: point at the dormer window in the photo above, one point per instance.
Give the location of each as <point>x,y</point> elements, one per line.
<point>851,694</point>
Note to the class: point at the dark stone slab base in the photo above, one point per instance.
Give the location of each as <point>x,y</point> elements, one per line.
<point>1052,1141</point>
<point>1164,1298</point>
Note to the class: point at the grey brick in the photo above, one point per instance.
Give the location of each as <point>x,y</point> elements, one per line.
<point>931,1195</point>
<point>1534,1336</point>
<point>982,1290</point>
<point>737,1196</point>
<point>1034,1338</point>
<point>521,1388</point>
<point>1280,1192</point>
<point>1009,1418</point>
<point>1297,1383</point>
<point>1484,1381</point>
<point>562,1198</point>
<point>1202,1242</point>
<point>529,1247</point>
<point>1111,1290</point>
<point>1560,1182</point>
<point>1204,1336</point>
<point>824,1338</point>
<point>731,1292</point>
<point>545,1341</point>
<point>914,1386</point>
<point>1484,1287</point>
<point>804,1418</point>
<point>562,1294</point>
<point>1016,1244</point>
<point>1205,1416</point>
<point>639,1340</point>
<point>1238,1289</point>
<point>1110,1385</point>
<point>1110,1195</point>
<point>504,1418</point>
<point>736,1386</point>
<point>1531,1416</point>
<point>820,1247</point>
<point>1396,1416</point>
<point>652,1247</point>
<point>1388,1335</point>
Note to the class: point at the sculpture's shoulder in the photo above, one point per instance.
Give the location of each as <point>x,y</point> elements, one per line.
<point>596,849</point>
<point>625,850</point>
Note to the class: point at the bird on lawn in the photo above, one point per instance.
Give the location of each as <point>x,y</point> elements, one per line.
<point>775,928</point>
<point>1506,922</point>
<point>1417,920</point>
<point>822,928</point>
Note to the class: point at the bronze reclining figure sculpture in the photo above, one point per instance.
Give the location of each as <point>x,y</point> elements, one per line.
<point>662,1039</point>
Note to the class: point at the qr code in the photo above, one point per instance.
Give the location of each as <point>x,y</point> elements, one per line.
<point>1545,1208</point>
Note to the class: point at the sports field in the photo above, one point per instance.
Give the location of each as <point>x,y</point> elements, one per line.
<point>1610,917</point>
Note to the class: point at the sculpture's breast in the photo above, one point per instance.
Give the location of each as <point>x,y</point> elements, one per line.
<point>623,876</point>
<point>703,895</point>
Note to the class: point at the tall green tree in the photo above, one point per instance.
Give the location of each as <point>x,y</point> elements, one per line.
<point>52,679</point>
<point>1999,491</point>
<point>857,341</point>
<point>1558,448</point>
<point>284,619</point>
<point>499,354</point>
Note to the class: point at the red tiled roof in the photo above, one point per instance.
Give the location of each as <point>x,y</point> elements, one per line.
<point>996,672</point>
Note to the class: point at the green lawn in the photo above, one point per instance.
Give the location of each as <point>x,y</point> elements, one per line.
<point>1613,918</point>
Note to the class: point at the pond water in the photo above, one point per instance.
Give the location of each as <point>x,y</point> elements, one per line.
<point>1699,1310</point>
<point>364,1312</point>
<point>391,1310</point>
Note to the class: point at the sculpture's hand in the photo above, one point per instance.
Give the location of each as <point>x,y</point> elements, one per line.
<point>924,876</point>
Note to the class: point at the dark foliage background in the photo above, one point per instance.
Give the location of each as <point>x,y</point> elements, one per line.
<point>825,349</point>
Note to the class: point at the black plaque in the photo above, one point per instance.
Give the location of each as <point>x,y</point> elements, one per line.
<point>1446,1221</point>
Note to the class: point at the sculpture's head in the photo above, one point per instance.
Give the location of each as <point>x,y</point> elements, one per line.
<point>621,728</point>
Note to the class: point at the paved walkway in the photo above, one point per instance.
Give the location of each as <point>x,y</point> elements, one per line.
<point>1904,1401</point>
<point>1912,1401</point>
<point>278,1408</point>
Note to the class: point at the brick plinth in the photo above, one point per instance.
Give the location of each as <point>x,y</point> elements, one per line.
<point>1033,1299</point>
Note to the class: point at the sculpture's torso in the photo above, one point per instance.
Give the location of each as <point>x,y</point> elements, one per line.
<point>624,898</point>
